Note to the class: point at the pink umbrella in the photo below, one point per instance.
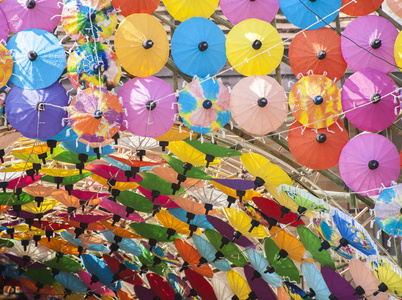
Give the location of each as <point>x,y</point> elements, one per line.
<point>150,105</point>
<point>40,14</point>
<point>237,11</point>
<point>3,28</point>
<point>87,195</point>
<point>113,174</point>
<point>162,200</point>
<point>377,36</point>
<point>97,288</point>
<point>369,162</point>
<point>371,90</point>
<point>258,104</point>
<point>120,212</point>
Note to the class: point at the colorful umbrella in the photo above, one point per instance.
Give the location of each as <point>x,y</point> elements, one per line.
<point>204,105</point>
<point>162,200</point>
<point>189,157</point>
<point>128,7</point>
<point>317,149</point>
<point>389,274</point>
<point>317,52</point>
<point>37,113</point>
<point>239,286</point>
<point>254,47</point>
<point>360,8</point>
<point>154,233</point>
<point>172,176</point>
<point>6,65</point>
<point>259,287</point>
<point>175,225</point>
<point>95,114</point>
<point>150,106</point>
<point>315,281</point>
<point>89,19</point>
<point>237,11</point>
<point>310,14</point>
<point>142,37</point>
<point>4,28</point>
<point>40,14</point>
<point>258,104</point>
<point>337,285</point>
<point>39,59</point>
<point>244,224</point>
<point>185,9</point>
<point>194,221</point>
<point>260,264</point>
<point>315,101</point>
<point>369,161</point>
<point>119,211</point>
<point>121,272</point>
<point>95,287</point>
<point>134,202</point>
<point>198,47</point>
<point>364,37</point>
<point>368,100</point>
<point>353,233</point>
<point>201,286</point>
<point>294,291</point>
<point>71,282</point>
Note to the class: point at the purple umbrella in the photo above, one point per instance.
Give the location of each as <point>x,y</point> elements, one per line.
<point>368,102</point>
<point>3,28</point>
<point>21,262</point>
<point>120,211</point>
<point>150,106</point>
<point>228,231</point>
<point>366,36</point>
<point>239,185</point>
<point>237,11</point>
<point>37,113</point>
<point>338,286</point>
<point>258,285</point>
<point>143,293</point>
<point>369,161</point>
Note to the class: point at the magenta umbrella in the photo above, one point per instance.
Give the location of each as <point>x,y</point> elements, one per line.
<point>150,106</point>
<point>237,11</point>
<point>40,14</point>
<point>369,161</point>
<point>120,212</point>
<point>112,173</point>
<point>368,100</point>
<point>3,28</point>
<point>367,37</point>
<point>162,200</point>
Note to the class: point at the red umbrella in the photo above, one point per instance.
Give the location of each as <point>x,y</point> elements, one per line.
<point>160,287</point>
<point>201,286</point>
<point>121,271</point>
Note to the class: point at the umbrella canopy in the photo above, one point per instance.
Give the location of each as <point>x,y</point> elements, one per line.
<point>235,189</point>
<point>261,289</point>
<point>188,157</point>
<point>37,113</point>
<point>143,37</point>
<point>244,224</point>
<point>160,287</point>
<point>395,7</point>
<point>39,59</point>
<point>210,197</point>
<point>95,114</point>
<point>40,14</point>
<point>315,101</point>
<point>198,47</point>
<point>294,291</point>
<point>239,286</point>
<point>371,92</point>
<point>237,11</point>
<point>171,175</point>
<point>185,9</point>
<point>389,274</point>
<point>310,14</point>
<point>369,161</point>
<point>174,224</point>
<point>150,106</point>
<point>89,19</point>
<point>361,8</point>
<point>204,105</point>
<point>6,64</point>
<point>118,268</point>
<point>254,47</point>
<point>337,285</point>
<point>201,286</point>
<point>388,209</point>
<point>93,64</point>
<point>317,52</point>
<point>258,104</point>
<point>128,7</point>
<point>366,36</point>
<point>315,281</point>
<point>260,265</point>
<point>4,28</point>
<point>199,221</point>
<point>96,287</point>
<point>317,149</point>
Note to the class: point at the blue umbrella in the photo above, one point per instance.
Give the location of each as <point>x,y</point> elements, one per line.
<point>77,242</point>
<point>125,244</point>
<point>123,166</point>
<point>208,251</point>
<point>260,264</point>
<point>71,282</point>
<point>10,270</point>
<point>67,134</point>
<point>98,269</point>
<point>199,220</point>
<point>78,147</point>
<point>39,59</point>
<point>198,47</point>
<point>315,281</point>
<point>303,13</point>
<point>37,113</point>
<point>294,291</point>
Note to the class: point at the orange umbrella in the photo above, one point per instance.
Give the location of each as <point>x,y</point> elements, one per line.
<point>32,286</point>
<point>70,201</point>
<point>192,259</point>
<point>61,247</point>
<point>119,231</point>
<point>359,8</point>
<point>172,176</point>
<point>128,7</point>
<point>317,52</point>
<point>39,192</point>
<point>317,149</point>
<point>193,207</point>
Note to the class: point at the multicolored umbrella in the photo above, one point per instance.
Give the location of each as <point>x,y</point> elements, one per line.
<point>185,9</point>
<point>364,37</point>
<point>198,47</point>
<point>91,20</point>
<point>315,101</point>
<point>317,52</point>
<point>237,11</point>
<point>128,7</point>
<point>204,105</point>
<point>6,65</point>
<point>294,292</point>
<point>150,107</point>
<point>39,59</point>
<point>258,104</point>
<point>143,37</point>
<point>254,47</point>
<point>368,162</point>
<point>95,114</point>
<point>389,274</point>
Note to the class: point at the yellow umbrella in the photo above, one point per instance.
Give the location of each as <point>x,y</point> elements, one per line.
<point>121,186</point>
<point>239,285</point>
<point>169,221</point>
<point>174,134</point>
<point>189,154</point>
<point>241,222</point>
<point>398,49</point>
<point>46,205</point>
<point>21,167</point>
<point>389,275</point>
<point>141,45</point>
<point>254,47</point>
<point>61,172</point>
<point>186,9</point>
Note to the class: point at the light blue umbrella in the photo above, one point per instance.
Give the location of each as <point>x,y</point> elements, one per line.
<point>208,251</point>
<point>198,47</point>
<point>125,244</point>
<point>260,264</point>
<point>39,59</point>
<point>78,147</point>
<point>77,242</point>
<point>98,269</point>
<point>199,220</point>
<point>71,282</point>
<point>303,13</point>
<point>315,281</point>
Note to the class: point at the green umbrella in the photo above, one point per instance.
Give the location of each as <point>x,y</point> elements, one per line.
<point>230,251</point>
<point>41,275</point>
<point>154,233</point>
<point>11,199</point>
<point>284,266</point>
<point>151,262</point>
<point>66,156</point>
<point>177,165</point>
<point>6,243</point>
<point>156,185</point>
<point>33,159</point>
<point>65,264</point>
<point>313,245</point>
<point>67,181</point>
<point>135,201</point>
